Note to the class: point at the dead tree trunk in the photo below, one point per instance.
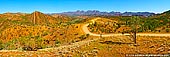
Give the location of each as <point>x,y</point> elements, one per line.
<point>134,33</point>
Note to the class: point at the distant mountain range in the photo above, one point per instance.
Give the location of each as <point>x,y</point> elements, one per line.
<point>98,13</point>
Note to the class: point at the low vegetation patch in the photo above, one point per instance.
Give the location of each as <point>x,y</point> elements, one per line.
<point>30,43</point>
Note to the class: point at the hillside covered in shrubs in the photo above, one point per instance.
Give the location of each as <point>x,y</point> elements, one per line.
<point>38,30</point>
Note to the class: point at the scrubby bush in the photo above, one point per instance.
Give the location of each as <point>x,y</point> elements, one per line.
<point>57,42</point>
<point>167,30</point>
<point>1,45</point>
<point>82,37</point>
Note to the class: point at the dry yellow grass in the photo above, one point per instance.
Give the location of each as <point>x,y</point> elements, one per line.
<point>120,46</point>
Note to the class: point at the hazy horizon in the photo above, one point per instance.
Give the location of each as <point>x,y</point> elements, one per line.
<point>82,10</point>
<point>59,6</point>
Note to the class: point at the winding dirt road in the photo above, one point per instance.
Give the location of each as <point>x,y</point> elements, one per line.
<point>85,29</point>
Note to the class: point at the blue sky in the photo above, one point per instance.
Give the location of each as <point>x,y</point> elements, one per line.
<point>57,6</point>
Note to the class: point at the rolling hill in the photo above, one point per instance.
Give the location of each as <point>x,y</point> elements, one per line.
<point>40,18</point>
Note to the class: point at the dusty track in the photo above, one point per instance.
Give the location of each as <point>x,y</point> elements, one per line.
<point>85,29</point>
<point>71,46</point>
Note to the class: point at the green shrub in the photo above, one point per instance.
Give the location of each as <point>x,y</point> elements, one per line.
<point>167,30</point>
<point>57,42</point>
<point>1,45</point>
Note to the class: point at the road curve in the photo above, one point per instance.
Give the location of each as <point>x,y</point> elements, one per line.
<point>85,29</point>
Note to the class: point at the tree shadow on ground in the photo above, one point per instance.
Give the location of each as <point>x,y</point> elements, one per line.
<point>111,42</point>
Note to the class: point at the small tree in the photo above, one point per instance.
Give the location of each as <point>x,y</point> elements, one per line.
<point>134,23</point>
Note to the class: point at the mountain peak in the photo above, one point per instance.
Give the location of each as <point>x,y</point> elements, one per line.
<point>37,12</point>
